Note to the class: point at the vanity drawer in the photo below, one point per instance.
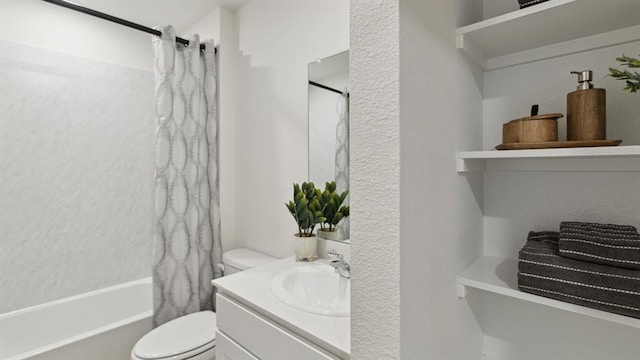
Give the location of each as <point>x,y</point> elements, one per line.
<point>227,349</point>
<point>263,338</point>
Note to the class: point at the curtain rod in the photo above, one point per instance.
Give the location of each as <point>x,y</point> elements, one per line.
<point>323,86</point>
<point>116,20</point>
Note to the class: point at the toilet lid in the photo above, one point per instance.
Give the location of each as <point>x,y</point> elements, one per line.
<point>244,259</point>
<point>190,333</point>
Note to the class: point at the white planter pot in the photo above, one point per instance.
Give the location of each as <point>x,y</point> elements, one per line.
<point>304,247</point>
<point>329,235</point>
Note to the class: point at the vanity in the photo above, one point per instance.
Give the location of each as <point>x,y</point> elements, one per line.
<point>253,323</point>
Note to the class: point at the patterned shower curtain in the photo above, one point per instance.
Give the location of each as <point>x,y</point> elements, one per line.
<point>342,156</point>
<point>187,240</point>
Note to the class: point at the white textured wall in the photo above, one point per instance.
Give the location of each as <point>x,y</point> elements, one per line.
<point>375,179</point>
<point>407,122</point>
<point>76,186</point>
<point>277,39</point>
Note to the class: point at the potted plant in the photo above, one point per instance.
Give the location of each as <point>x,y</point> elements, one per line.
<point>632,78</point>
<point>332,211</point>
<point>307,212</point>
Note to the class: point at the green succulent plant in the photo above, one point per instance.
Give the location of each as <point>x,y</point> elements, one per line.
<point>632,78</point>
<point>332,209</point>
<point>305,208</point>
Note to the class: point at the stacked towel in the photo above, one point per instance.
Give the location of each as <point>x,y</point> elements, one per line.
<point>543,271</point>
<point>527,3</point>
<point>608,244</point>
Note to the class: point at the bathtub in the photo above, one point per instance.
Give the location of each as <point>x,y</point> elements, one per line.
<point>102,324</point>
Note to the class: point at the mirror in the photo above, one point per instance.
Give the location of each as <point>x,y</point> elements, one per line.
<point>329,129</point>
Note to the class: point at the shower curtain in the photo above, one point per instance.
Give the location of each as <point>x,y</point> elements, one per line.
<point>187,245</point>
<point>342,156</point>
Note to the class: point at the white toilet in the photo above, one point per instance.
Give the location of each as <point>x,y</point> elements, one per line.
<point>193,336</point>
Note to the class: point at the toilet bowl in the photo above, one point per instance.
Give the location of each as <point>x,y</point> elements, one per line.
<point>193,336</point>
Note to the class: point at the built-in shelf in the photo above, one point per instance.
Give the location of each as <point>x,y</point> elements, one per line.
<point>549,29</point>
<point>603,158</point>
<point>499,275</point>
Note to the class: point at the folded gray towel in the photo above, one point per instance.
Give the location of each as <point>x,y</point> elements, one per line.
<point>608,244</point>
<point>542,271</point>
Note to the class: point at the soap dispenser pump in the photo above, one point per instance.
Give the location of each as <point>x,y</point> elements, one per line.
<point>586,110</point>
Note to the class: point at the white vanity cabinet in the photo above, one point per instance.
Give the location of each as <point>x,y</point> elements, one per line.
<point>230,350</point>
<point>248,335</point>
<point>253,324</point>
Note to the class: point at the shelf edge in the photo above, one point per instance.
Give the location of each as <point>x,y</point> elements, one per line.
<point>511,16</point>
<point>618,159</point>
<point>551,50</point>
<point>471,50</point>
<point>579,152</point>
<point>467,281</point>
<point>556,304</point>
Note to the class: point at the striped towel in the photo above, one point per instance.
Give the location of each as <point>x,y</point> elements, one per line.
<point>527,3</point>
<point>608,244</point>
<point>542,271</point>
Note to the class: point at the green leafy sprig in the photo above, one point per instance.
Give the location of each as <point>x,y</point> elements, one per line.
<point>632,78</point>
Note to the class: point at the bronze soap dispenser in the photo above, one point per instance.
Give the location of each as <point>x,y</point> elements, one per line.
<point>586,110</point>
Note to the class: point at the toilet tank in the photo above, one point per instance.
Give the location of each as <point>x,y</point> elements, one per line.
<point>237,260</point>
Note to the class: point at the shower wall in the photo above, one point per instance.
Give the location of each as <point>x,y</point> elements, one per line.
<point>76,175</point>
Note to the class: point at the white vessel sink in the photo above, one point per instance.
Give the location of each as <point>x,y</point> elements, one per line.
<point>314,288</point>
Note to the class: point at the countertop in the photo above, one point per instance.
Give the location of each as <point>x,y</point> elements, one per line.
<point>252,289</point>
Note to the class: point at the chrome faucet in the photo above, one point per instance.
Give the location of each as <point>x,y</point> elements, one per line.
<point>341,266</point>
